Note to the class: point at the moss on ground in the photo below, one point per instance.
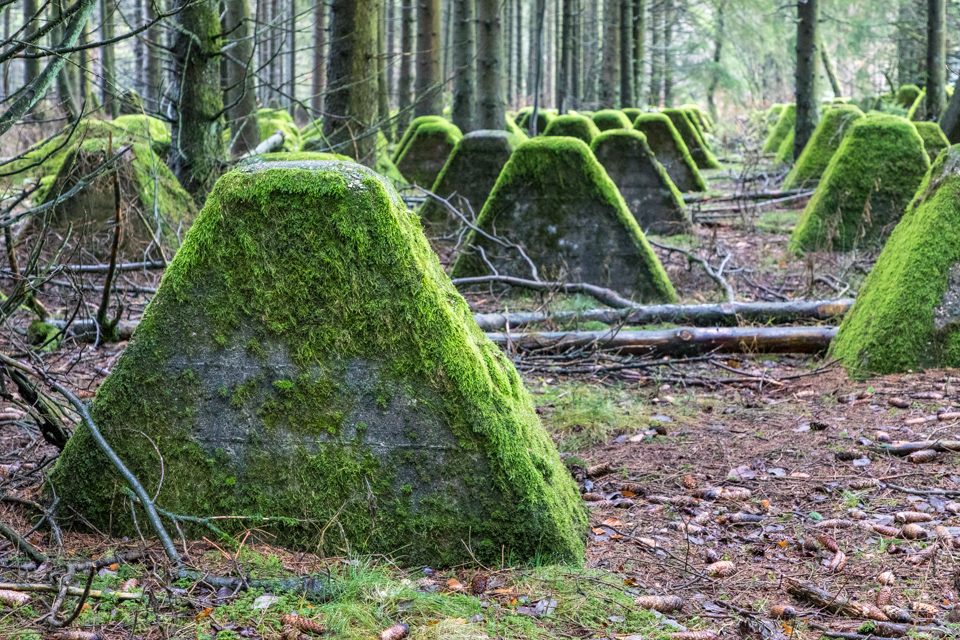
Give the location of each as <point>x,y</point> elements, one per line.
<point>411,130</point>
<point>785,152</point>
<point>555,199</point>
<point>823,143</point>
<point>934,139</point>
<point>699,150</point>
<point>865,188</point>
<point>427,152</point>
<point>785,122</point>
<point>671,151</point>
<point>906,313</point>
<point>607,119</point>
<point>306,358</point>
<point>573,126</point>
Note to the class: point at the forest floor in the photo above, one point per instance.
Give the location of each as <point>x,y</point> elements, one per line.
<point>770,464</point>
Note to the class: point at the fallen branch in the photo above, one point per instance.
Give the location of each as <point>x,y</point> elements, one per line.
<point>272,143</point>
<point>907,448</point>
<point>606,296</point>
<point>715,274</point>
<point>20,543</point>
<point>834,603</point>
<point>690,198</point>
<point>71,591</point>
<point>318,587</point>
<point>103,268</point>
<point>682,341</point>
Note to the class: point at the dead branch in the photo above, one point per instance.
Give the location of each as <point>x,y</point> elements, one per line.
<point>606,296</point>
<point>272,143</point>
<point>20,543</point>
<point>834,603</point>
<point>715,274</point>
<point>907,448</point>
<point>71,591</point>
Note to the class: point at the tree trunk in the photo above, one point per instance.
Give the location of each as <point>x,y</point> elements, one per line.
<point>6,65</point>
<point>565,81</point>
<point>86,88</point>
<point>197,149</point>
<point>153,76</point>
<point>536,57</point>
<point>828,68</point>
<point>319,57</point>
<point>428,85</point>
<point>292,57</point>
<point>610,69</point>
<point>950,122</point>
<point>405,81</point>
<point>31,66</point>
<point>910,34</point>
<point>351,108</point>
<point>463,72</point>
<point>240,95</point>
<point>66,88</point>
<point>276,55</point>
<point>576,32</point>
<point>669,15</point>
<point>490,115</point>
<point>936,58</point>
<point>718,35</point>
<point>518,93</point>
<point>808,14</point>
<point>639,37</point>
<point>108,74</point>
<point>383,97</point>
<point>391,48</point>
<point>626,54</point>
<point>656,53</point>
<point>533,49</point>
<point>508,52</point>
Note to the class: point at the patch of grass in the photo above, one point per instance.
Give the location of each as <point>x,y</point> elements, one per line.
<point>778,221</point>
<point>581,415</point>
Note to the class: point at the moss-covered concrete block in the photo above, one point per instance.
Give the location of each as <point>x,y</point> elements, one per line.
<point>651,196</point>
<point>411,130</point>
<point>785,122</point>
<point>907,313</point>
<point>632,113</point>
<point>467,179</point>
<point>866,187</point>
<point>607,119</point>
<point>934,139</point>
<point>573,126</point>
<point>514,129</point>
<point>544,117</point>
<point>907,95</point>
<point>272,120</point>
<point>306,359</point>
<point>699,150</point>
<point>671,152</point>
<point>823,143</point>
<point>785,152</point>
<point>700,119</point>
<point>427,152</point>
<point>557,202</point>
<point>294,156</point>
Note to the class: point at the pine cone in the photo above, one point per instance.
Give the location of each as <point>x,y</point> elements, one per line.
<point>479,584</point>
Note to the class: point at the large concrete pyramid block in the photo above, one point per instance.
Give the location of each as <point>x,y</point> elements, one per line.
<point>699,149</point>
<point>671,151</point>
<point>608,119</point>
<point>785,124</point>
<point>306,358</point>
<point>866,187</point>
<point>573,126</point>
<point>557,203</point>
<point>821,146</point>
<point>644,184</point>
<point>907,314</point>
<point>427,152</point>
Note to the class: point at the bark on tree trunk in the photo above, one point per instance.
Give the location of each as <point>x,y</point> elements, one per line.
<point>84,70</point>
<point>831,74</point>
<point>391,48</point>
<point>153,76</point>
<point>383,98</point>
<point>509,55</point>
<point>576,32</point>
<point>808,15</point>
<point>490,115</point>
<point>718,36</point>
<point>626,53</point>
<point>292,57</point>
<point>565,81</point>
<point>639,37</point>
<point>276,58</point>
<point>668,18</point>
<point>197,148</point>
<point>950,122</point>
<point>66,90</point>
<point>429,94</point>
<point>6,65</point>
<point>910,33</point>
<point>240,95</point>
<point>936,58</point>
<point>319,57</point>
<point>518,93</point>
<point>656,53</point>
<point>463,72</point>
<point>405,81</point>
<point>352,79</point>
<point>610,69</point>
<point>108,83</point>
<point>31,66</point>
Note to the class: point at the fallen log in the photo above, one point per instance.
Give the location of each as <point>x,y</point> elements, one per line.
<point>690,198</point>
<point>834,603</point>
<point>682,341</point>
<point>71,591</point>
<point>600,294</point>
<point>907,448</point>
<point>272,143</point>
<point>698,315</point>
<point>89,331</point>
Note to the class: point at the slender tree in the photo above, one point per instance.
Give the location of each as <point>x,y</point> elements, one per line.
<point>197,148</point>
<point>490,111</point>
<point>639,37</point>
<point>66,87</point>
<point>936,58</point>
<point>656,53</point>
<point>576,52</point>
<point>565,81</point>
<point>108,74</point>
<point>292,54</point>
<point>153,75</point>
<point>518,37</point>
<point>391,47</point>
<point>610,70</point>
<point>911,28</point>
<point>463,71</point>
<point>950,122</point>
<point>383,97</point>
<point>138,58</point>
<point>808,17</point>
<point>405,81</point>
<point>428,86</point>
<point>626,53</point>
<point>240,95</point>
<point>6,65</point>
<point>715,73</point>
<point>83,67</point>
<point>669,16</point>
<point>351,105</point>
<point>828,69</point>
<point>319,57</point>
<point>31,66</point>
<point>276,54</point>
<point>509,55</point>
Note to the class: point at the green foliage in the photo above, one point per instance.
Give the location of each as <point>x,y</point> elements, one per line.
<point>581,416</point>
<point>865,187</point>
<point>823,143</point>
<point>934,139</point>
<point>272,120</point>
<point>785,123</point>
<point>574,126</point>
<point>607,119</point>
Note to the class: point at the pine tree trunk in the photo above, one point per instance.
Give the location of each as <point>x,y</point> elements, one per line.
<point>950,122</point>
<point>240,95</point>
<point>276,55</point>
<point>108,75</point>
<point>351,105</point>
<point>383,97</point>
<point>610,70</point>
<point>445,40</point>
<point>509,55</point>
<point>936,58</point>
<point>429,90</point>
<point>718,35</point>
<point>533,53</point>
<point>911,30</point>
<point>197,149</point>
<point>66,92</point>
<point>656,53</point>
<point>828,68</point>
<point>463,72</point>
<point>86,88</point>
<point>490,114</point>
<point>626,54</point>
<point>565,82</point>
<point>391,48</point>
<point>292,58</point>
<point>518,92</point>
<point>576,53</point>
<point>31,66</point>
<point>639,37</point>
<point>153,75</point>
<point>138,58</point>
<point>319,57</point>
<point>405,81</point>
<point>808,14</point>
<point>6,65</point>
<point>668,18</point>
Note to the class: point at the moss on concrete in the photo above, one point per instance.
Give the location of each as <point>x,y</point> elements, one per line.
<point>555,199</point>
<point>307,359</point>
<point>907,95</point>
<point>699,150</point>
<point>785,152</point>
<point>607,119</point>
<point>427,152</point>
<point>907,313</point>
<point>699,118</point>
<point>671,151</point>
<point>917,111</point>
<point>785,121</point>
<point>519,135</point>
<point>823,143</point>
<point>411,130</point>
<point>573,126</point>
<point>295,156</point>
<point>632,113</point>
<point>544,117</point>
<point>866,187</point>
<point>650,195</point>
<point>272,120</point>
<point>934,139</point>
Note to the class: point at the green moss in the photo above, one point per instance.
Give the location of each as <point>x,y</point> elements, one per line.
<point>544,117</point>
<point>671,151</point>
<point>900,320</point>
<point>543,199</point>
<point>427,152</point>
<point>272,120</point>
<point>785,122</point>
<point>917,110</point>
<point>573,126</point>
<point>411,130</point>
<point>934,139</point>
<point>865,188</point>
<point>785,152</point>
<point>292,156</point>
<point>607,119</point>
<point>314,129</point>
<point>700,118</point>
<point>823,143</point>
<point>632,113</point>
<point>699,150</point>
<point>907,95</point>
<point>326,268</point>
<point>519,135</point>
